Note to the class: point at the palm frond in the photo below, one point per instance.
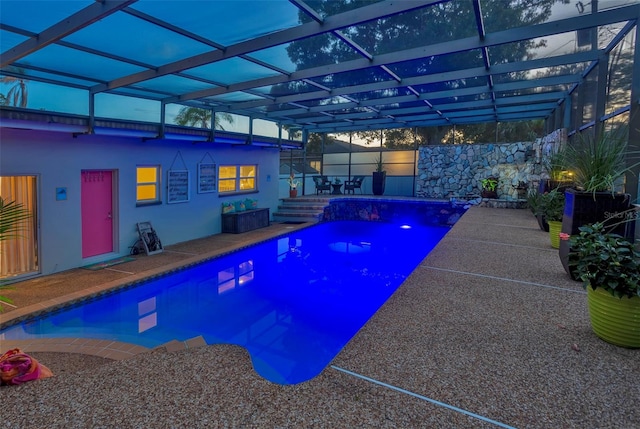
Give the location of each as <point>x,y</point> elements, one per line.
<point>12,219</point>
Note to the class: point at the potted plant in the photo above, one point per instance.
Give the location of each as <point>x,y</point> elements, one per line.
<point>489,187</point>
<point>599,164</point>
<point>293,186</point>
<point>609,267</point>
<point>556,166</point>
<point>12,217</point>
<point>534,202</point>
<point>337,186</point>
<point>552,207</point>
<point>379,176</point>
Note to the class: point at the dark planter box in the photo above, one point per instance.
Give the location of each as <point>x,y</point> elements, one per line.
<point>581,208</point>
<point>248,220</point>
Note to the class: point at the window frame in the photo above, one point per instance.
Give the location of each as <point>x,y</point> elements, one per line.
<point>238,179</point>
<point>157,183</point>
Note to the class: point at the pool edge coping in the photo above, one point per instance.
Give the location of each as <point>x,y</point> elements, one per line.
<point>50,305</point>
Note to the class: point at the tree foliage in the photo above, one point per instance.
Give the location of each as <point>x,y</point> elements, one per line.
<point>196,117</point>
<point>18,93</point>
<point>441,22</point>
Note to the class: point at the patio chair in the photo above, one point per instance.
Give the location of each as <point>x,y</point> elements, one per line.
<point>351,185</point>
<point>322,184</point>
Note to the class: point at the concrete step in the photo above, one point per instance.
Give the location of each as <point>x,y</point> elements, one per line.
<point>308,199</point>
<point>304,206</point>
<point>296,216</point>
<point>300,209</point>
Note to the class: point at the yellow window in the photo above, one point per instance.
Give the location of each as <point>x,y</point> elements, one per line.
<point>237,178</point>
<point>147,184</point>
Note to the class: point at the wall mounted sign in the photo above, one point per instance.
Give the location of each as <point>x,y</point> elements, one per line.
<point>207,179</point>
<point>177,186</point>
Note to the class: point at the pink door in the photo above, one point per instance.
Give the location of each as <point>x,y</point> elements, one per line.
<point>97,216</point>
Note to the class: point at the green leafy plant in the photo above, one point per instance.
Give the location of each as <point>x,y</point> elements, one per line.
<point>337,181</point>
<point>12,222</point>
<point>599,162</point>
<point>489,184</point>
<point>605,260</point>
<point>557,166</point>
<point>12,217</point>
<point>534,201</point>
<point>551,205</point>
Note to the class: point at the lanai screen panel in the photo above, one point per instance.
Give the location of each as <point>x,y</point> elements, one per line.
<point>323,66</point>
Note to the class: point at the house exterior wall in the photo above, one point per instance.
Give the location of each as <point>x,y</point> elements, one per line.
<point>58,159</point>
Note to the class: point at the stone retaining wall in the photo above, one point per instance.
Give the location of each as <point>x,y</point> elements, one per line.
<point>456,171</point>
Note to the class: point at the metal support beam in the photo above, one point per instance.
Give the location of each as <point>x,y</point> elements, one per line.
<point>634,130</point>
<point>601,92</point>
<point>72,24</point>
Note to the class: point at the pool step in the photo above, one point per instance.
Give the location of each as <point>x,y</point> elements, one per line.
<point>191,343</point>
<point>303,209</point>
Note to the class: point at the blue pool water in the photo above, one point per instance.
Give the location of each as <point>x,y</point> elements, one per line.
<point>292,302</point>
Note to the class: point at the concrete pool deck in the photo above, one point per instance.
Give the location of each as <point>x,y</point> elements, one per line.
<point>488,331</point>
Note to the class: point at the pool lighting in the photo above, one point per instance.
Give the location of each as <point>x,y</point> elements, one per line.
<point>405,226</point>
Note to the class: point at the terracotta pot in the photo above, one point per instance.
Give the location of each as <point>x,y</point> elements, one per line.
<point>293,193</point>
<point>615,320</point>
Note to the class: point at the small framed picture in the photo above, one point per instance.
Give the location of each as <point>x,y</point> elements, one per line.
<point>61,194</point>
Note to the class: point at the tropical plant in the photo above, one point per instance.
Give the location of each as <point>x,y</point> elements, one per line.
<point>489,184</point>
<point>197,117</point>
<point>552,205</point>
<point>534,201</point>
<point>605,260</point>
<point>379,164</point>
<point>12,218</point>
<point>337,181</point>
<point>599,162</point>
<point>293,183</point>
<point>556,165</point>
<point>18,94</point>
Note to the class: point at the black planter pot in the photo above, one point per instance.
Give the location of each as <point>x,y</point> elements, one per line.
<point>583,208</point>
<point>542,222</point>
<point>379,179</point>
<point>548,185</point>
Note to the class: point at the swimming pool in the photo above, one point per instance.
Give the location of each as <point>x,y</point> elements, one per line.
<point>292,302</point>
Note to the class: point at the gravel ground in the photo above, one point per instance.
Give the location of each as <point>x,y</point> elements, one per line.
<point>489,323</point>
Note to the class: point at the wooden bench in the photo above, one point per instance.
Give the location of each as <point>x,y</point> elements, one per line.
<point>239,222</point>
